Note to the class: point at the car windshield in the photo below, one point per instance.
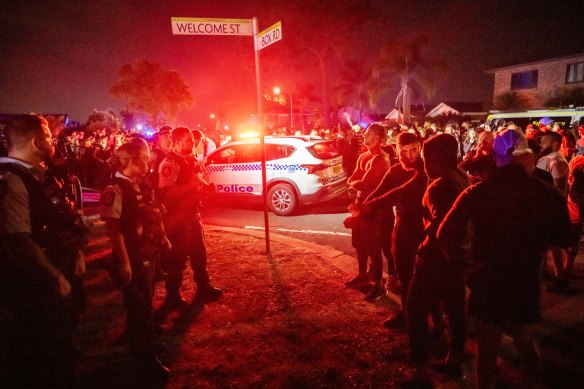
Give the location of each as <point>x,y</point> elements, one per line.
<point>324,150</point>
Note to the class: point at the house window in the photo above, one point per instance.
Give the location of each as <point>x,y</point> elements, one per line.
<point>575,72</point>
<point>524,80</point>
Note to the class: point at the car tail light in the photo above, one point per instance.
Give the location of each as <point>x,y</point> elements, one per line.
<point>314,168</point>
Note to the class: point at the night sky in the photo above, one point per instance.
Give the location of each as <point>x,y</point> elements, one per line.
<point>62,56</point>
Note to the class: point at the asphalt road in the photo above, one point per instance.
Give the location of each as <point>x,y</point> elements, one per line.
<point>321,224</point>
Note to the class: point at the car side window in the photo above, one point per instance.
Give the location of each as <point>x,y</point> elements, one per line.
<point>278,151</point>
<point>249,153</point>
<point>224,156</point>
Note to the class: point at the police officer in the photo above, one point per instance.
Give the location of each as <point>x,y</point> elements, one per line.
<point>182,189</point>
<point>41,242</point>
<point>159,152</point>
<point>135,230</point>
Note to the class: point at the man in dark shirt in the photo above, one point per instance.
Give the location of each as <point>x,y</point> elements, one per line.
<point>479,163</point>
<point>437,281</point>
<point>512,219</point>
<point>403,187</point>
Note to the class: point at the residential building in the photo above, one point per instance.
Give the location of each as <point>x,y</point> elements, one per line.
<point>538,81</point>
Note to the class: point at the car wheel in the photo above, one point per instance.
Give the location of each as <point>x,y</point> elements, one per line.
<point>282,199</point>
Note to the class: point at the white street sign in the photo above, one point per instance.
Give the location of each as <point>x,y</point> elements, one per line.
<point>206,26</point>
<point>270,35</point>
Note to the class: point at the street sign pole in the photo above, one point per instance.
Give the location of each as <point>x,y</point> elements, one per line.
<point>262,134</point>
<point>213,26</point>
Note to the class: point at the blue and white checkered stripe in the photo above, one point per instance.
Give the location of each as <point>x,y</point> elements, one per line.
<point>291,168</point>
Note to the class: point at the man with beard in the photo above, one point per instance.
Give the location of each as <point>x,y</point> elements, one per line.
<point>403,186</point>
<point>436,281</point>
<point>182,189</point>
<point>41,242</point>
<point>554,162</point>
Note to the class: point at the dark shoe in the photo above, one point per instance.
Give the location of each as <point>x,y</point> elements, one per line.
<point>208,293</point>
<point>558,285</point>
<point>396,322</point>
<point>155,369</point>
<point>360,279</point>
<point>175,302</point>
<point>376,293</point>
<point>414,383</point>
<point>446,369</point>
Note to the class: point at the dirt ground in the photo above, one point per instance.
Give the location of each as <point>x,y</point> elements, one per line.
<point>285,321</point>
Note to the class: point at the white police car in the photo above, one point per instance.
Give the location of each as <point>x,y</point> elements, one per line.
<point>299,171</point>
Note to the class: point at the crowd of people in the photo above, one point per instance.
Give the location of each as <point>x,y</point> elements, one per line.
<point>483,208</point>
<point>91,156</point>
<point>447,208</point>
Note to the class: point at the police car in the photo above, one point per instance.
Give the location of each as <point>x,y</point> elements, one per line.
<point>300,170</point>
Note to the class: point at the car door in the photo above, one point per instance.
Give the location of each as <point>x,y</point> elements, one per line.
<point>247,173</point>
<point>220,168</point>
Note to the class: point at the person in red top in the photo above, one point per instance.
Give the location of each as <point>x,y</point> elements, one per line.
<point>370,169</point>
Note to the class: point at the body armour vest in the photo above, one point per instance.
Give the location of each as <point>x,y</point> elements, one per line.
<point>55,224</point>
<point>133,210</point>
<point>186,172</point>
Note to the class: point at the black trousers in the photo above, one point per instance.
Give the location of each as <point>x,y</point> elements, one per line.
<point>404,248</point>
<point>188,243</point>
<point>431,288</point>
<point>137,297</point>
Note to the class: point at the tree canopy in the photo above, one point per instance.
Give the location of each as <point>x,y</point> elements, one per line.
<point>565,97</point>
<point>355,86</point>
<point>107,120</point>
<point>404,62</point>
<point>150,88</point>
<point>510,101</point>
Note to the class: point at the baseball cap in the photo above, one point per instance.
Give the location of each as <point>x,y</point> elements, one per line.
<point>509,143</point>
<point>545,121</point>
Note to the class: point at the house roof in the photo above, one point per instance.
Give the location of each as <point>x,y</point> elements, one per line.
<point>458,107</point>
<point>511,66</point>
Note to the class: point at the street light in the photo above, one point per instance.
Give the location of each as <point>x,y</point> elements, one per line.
<point>277,91</point>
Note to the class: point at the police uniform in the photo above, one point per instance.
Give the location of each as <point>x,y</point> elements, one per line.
<point>157,155</point>
<point>183,224</point>
<point>123,200</point>
<point>38,226</point>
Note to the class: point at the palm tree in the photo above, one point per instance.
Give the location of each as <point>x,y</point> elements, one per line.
<point>304,94</point>
<point>405,64</point>
<point>355,86</point>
